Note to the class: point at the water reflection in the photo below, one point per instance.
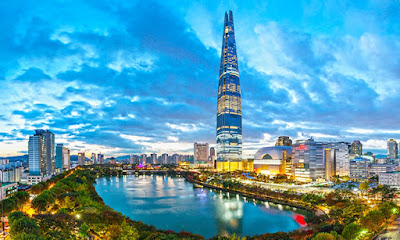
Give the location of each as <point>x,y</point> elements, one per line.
<point>175,204</point>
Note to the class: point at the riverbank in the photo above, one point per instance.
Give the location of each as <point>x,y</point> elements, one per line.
<point>258,197</point>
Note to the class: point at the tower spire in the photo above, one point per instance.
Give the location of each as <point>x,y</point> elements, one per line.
<point>229,109</point>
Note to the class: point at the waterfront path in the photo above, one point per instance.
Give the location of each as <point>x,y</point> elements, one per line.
<point>392,232</point>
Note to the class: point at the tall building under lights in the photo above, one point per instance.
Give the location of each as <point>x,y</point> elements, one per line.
<point>356,148</point>
<point>42,153</point>
<point>201,152</point>
<point>229,107</point>
<point>81,158</point>
<point>392,149</point>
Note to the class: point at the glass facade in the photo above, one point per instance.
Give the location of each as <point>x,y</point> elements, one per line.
<point>229,110</point>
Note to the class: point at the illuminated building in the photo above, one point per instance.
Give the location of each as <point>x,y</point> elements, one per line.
<point>229,108</point>
<point>375,168</point>
<point>391,179</point>
<point>273,160</point>
<point>356,148</point>
<point>81,158</point>
<point>143,158</point>
<point>41,153</point>
<point>201,152</point>
<point>10,171</point>
<point>359,167</point>
<point>66,158</point>
<point>392,149</point>
<point>153,158</point>
<point>337,161</point>
<point>283,141</point>
<point>308,160</point>
<point>59,156</point>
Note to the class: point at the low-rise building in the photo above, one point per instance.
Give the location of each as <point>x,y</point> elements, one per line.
<point>391,179</point>
<point>359,167</point>
<point>7,189</point>
<point>375,169</point>
<point>273,160</point>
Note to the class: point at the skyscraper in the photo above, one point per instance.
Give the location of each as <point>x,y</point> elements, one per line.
<point>356,148</point>
<point>41,153</point>
<point>229,108</point>
<point>59,156</point>
<point>392,149</point>
<point>66,158</point>
<point>81,158</point>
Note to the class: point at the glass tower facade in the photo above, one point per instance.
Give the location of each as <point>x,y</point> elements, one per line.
<point>229,110</point>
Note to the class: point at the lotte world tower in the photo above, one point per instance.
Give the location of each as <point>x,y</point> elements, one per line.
<point>229,111</point>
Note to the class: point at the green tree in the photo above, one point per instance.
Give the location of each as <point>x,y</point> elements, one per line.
<point>323,236</point>
<point>24,228</point>
<point>351,231</point>
<point>128,232</point>
<point>364,186</point>
<point>84,230</point>
<point>373,220</point>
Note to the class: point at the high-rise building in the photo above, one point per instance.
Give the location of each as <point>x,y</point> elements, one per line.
<point>339,157</point>
<point>59,156</point>
<point>143,158</point>
<point>392,149</point>
<point>100,158</point>
<point>283,141</point>
<point>81,158</point>
<point>308,163</point>
<point>164,158</point>
<point>229,107</point>
<point>93,159</point>
<point>201,152</point>
<point>41,153</point>
<point>154,158</point>
<point>66,158</point>
<point>356,148</point>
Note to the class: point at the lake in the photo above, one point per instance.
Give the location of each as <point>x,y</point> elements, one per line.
<point>172,203</point>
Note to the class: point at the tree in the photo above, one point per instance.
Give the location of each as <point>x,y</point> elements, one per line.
<point>351,231</point>
<point>364,186</point>
<point>373,220</point>
<point>323,236</point>
<point>24,228</point>
<point>8,205</point>
<point>84,230</point>
<point>128,232</point>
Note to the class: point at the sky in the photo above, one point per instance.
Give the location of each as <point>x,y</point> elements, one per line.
<point>127,77</point>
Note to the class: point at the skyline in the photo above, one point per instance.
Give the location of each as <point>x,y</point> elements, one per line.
<point>105,83</point>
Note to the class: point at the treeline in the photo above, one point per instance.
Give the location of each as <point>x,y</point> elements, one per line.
<point>72,209</point>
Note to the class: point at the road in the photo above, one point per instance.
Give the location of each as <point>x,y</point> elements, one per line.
<point>392,232</point>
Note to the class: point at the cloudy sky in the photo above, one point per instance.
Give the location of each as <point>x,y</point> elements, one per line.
<point>124,77</point>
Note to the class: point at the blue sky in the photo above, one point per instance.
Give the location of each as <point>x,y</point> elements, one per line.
<point>141,76</point>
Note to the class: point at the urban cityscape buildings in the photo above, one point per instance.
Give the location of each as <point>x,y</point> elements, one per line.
<point>392,149</point>
<point>229,108</point>
<point>356,148</point>
<point>201,152</point>
<point>283,141</point>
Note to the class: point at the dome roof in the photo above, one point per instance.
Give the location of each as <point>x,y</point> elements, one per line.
<point>275,152</point>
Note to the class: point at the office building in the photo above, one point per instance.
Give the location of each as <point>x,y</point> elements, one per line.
<point>392,149</point>
<point>337,163</point>
<point>283,141</point>
<point>376,168</point>
<point>201,152</point>
<point>356,148</point>
<point>359,167</point>
<point>308,163</point>
<point>81,158</point>
<point>229,109</point>
<point>391,179</point>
